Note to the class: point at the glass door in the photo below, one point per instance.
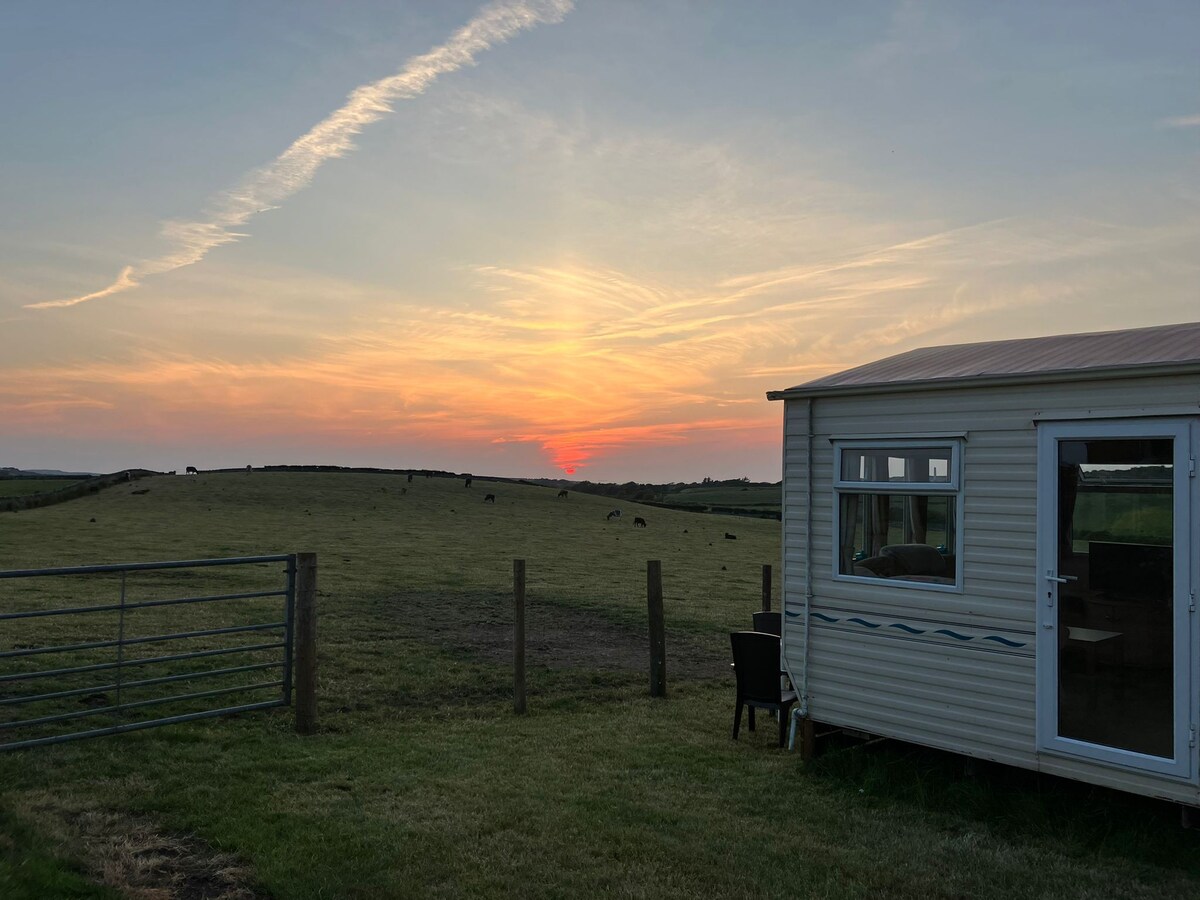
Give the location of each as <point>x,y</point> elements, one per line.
<point>1114,646</point>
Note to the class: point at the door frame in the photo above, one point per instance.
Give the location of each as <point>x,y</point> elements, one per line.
<point>1186,508</point>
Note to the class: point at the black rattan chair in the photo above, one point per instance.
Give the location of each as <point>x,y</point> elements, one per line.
<point>756,664</point>
<point>768,622</point>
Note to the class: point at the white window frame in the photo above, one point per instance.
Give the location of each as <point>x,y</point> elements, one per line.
<point>952,487</point>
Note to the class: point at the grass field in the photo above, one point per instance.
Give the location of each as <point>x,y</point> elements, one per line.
<point>754,496</point>
<point>23,487</point>
<point>423,783</point>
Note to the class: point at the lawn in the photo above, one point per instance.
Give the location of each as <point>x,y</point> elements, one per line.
<point>422,783</point>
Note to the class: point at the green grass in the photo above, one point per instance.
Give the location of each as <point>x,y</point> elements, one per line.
<point>423,784</point>
<point>24,487</point>
<point>754,496</point>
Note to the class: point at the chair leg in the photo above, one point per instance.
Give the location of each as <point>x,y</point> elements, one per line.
<point>751,718</point>
<point>737,718</point>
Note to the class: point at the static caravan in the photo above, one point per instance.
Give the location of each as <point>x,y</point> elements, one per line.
<point>992,549</point>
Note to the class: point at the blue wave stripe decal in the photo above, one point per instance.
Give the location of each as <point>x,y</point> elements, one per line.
<point>909,629</point>
<point>1005,641</point>
<point>954,634</point>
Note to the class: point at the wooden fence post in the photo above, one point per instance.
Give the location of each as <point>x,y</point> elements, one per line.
<point>766,589</point>
<point>306,643</point>
<point>519,636</point>
<point>658,634</point>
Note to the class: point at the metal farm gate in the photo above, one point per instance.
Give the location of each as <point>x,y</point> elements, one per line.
<point>141,645</point>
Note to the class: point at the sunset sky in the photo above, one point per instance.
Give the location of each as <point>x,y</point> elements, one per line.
<point>536,238</point>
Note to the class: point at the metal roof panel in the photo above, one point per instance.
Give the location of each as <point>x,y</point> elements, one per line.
<point>1136,347</point>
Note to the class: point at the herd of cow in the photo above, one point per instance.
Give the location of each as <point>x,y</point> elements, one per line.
<point>638,521</point>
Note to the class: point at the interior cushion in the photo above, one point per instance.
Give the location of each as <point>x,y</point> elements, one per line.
<point>916,559</point>
<point>877,567</point>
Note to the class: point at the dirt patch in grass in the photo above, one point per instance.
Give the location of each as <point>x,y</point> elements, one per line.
<point>135,857</point>
<point>556,637</point>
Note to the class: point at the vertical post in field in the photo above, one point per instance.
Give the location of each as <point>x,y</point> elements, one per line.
<point>658,634</point>
<point>306,643</point>
<point>766,589</point>
<point>519,636</point>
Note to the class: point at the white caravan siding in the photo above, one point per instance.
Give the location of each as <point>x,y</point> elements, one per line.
<point>946,669</point>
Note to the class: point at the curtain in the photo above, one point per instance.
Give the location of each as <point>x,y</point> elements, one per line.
<point>849,528</point>
<point>917,469</point>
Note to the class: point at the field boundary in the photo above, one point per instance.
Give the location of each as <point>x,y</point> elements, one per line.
<point>73,491</point>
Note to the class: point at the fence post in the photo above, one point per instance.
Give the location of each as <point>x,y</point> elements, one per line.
<point>766,589</point>
<point>658,634</point>
<point>306,643</point>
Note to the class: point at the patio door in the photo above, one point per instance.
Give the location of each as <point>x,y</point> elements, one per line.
<point>1114,589</point>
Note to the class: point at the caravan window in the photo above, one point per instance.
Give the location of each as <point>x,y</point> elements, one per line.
<point>896,512</point>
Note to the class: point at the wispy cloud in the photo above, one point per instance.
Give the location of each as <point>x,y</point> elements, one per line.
<point>291,171</point>
<point>1192,121</point>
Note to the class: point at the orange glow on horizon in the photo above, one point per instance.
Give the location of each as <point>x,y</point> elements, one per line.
<point>539,372</point>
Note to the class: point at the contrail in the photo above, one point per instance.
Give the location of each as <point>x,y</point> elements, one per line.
<point>267,187</point>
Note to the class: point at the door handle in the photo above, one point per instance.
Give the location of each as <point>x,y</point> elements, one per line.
<point>1062,579</point>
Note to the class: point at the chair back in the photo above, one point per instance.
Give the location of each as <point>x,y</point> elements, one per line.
<point>768,622</point>
<point>756,664</point>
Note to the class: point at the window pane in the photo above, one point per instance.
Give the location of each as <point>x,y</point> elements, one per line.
<point>873,526</point>
<point>893,464</point>
<point>1116,544</point>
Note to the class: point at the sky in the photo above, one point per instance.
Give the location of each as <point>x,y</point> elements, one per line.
<point>550,239</point>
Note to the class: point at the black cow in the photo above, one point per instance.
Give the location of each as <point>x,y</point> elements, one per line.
<point>490,498</point>
<point>730,537</point>
<point>562,495</point>
<point>467,483</point>
<point>410,477</point>
<point>191,470</point>
<point>639,522</point>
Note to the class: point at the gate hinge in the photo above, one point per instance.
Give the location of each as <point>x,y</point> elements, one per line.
<point>1191,467</point>
<point>1192,602</point>
<point>1192,740</point>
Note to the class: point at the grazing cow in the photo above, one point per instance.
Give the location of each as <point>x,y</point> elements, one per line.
<point>468,482</point>
<point>490,498</point>
<point>615,514</point>
<point>410,477</point>
<point>639,522</point>
<point>730,537</point>
<point>562,495</point>
<point>191,470</point>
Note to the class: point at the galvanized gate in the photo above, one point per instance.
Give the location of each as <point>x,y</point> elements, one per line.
<point>105,645</point>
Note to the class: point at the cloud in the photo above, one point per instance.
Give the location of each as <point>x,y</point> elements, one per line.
<point>587,364</point>
<point>124,282</point>
<point>267,187</point>
<point>1192,121</point>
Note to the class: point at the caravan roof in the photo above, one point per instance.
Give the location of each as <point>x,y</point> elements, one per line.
<point>1059,357</point>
